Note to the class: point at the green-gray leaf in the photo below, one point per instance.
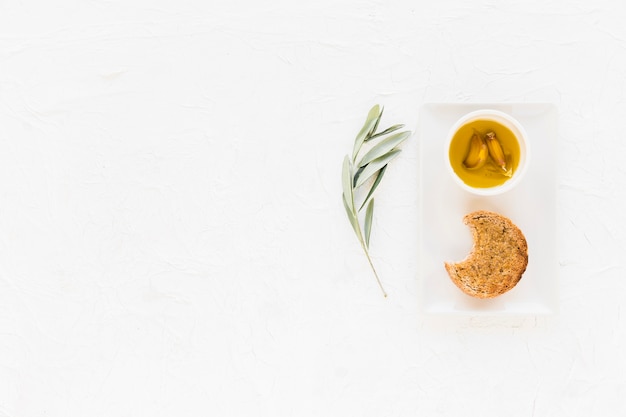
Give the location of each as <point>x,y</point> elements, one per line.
<point>379,177</point>
<point>386,131</point>
<point>356,175</point>
<point>383,147</point>
<point>371,168</point>
<point>372,117</point>
<point>346,182</point>
<point>380,116</point>
<point>369,214</point>
<point>351,217</point>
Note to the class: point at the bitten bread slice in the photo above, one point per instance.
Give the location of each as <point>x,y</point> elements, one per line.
<point>498,259</point>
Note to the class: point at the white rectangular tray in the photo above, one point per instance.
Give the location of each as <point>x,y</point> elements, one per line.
<point>531,205</point>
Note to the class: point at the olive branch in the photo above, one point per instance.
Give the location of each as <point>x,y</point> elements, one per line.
<point>357,172</point>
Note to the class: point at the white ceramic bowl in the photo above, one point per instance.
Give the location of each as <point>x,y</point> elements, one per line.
<point>519,132</point>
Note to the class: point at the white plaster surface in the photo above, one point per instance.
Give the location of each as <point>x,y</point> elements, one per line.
<point>172,239</point>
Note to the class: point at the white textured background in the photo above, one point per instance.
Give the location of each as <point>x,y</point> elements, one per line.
<point>172,240</point>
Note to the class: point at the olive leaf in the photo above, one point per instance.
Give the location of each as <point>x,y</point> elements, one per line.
<point>383,147</point>
<point>380,115</point>
<point>379,177</point>
<point>354,175</point>
<point>386,131</point>
<point>372,117</point>
<point>369,213</point>
<point>352,217</point>
<point>346,180</point>
<point>377,164</point>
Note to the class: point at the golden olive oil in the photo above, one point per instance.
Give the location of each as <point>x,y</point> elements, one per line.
<point>489,175</point>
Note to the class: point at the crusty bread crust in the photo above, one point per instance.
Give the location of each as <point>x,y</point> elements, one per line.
<point>498,259</point>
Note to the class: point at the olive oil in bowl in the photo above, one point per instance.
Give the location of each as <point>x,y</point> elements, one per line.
<point>487,152</point>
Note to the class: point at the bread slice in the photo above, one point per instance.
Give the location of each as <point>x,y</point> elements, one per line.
<point>498,259</point>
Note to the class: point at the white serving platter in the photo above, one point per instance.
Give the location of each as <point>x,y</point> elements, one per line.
<point>531,205</point>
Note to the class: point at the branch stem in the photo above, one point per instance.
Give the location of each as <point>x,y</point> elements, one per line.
<point>367,253</point>
<point>380,284</point>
